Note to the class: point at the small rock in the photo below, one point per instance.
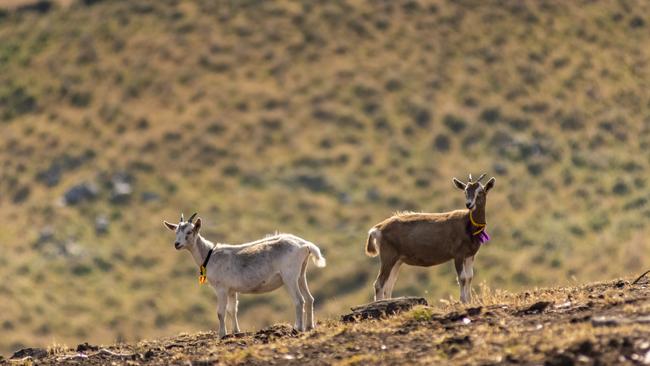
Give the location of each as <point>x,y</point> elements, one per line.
<point>50,176</point>
<point>645,319</point>
<point>536,308</point>
<point>442,143</point>
<point>84,191</point>
<point>83,347</point>
<point>454,123</point>
<point>604,321</point>
<point>30,352</point>
<point>559,360</point>
<point>21,194</point>
<point>620,188</point>
<point>101,224</point>
<point>453,317</point>
<point>72,249</point>
<point>466,340</point>
<point>344,198</point>
<point>611,321</point>
<point>585,348</point>
<point>313,182</point>
<point>373,195</point>
<point>403,331</point>
<point>500,168</point>
<point>583,359</point>
<point>150,197</point>
<point>45,235</point>
<point>380,308</point>
<point>121,192</point>
<point>637,22</point>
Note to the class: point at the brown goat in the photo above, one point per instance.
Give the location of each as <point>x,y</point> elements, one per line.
<point>428,239</point>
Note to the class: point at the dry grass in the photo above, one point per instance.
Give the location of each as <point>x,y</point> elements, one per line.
<point>316,119</point>
<point>568,329</point>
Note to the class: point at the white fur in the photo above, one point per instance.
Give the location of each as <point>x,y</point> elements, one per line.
<point>375,234</point>
<point>465,280</point>
<point>256,267</point>
<point>317,257</point>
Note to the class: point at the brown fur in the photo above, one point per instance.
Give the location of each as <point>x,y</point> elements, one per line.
<point>371,248</point>
<point>427,239</point>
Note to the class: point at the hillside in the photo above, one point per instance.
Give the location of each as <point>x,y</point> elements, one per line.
<point>596,324</point>
<point>315,118</point>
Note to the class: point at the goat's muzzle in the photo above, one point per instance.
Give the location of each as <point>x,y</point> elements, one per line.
<point>177,245</point>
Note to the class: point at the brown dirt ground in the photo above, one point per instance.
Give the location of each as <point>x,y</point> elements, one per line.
<point>596,324</point>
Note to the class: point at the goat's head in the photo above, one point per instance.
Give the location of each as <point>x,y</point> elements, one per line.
<point>186,231</point>
<point>475,191</point>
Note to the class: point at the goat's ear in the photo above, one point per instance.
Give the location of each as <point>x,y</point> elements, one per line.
<point>170,226</point>
<point>459,184</point>
<point>490,184</point>
<point>197,225</point>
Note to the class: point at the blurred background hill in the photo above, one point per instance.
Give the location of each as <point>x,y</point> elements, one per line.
<point>318,118</point>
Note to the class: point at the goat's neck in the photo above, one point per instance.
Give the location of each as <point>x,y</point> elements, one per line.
<point>200,249</point>
<point>479,214</point>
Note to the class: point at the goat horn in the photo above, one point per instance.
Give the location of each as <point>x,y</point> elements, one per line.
<point>470,178</point>
<point>481,177</point>
<point>182,218</point>
<point>191,218</point>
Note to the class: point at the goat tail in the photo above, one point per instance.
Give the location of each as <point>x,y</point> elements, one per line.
<point>374,235</point>
<point>317,257</point>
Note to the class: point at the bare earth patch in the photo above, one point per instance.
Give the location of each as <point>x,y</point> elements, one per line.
<point>601,323</point>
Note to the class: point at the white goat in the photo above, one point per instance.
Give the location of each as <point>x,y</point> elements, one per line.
<point>255,267</point>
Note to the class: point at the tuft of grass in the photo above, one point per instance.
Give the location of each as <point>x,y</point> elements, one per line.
<point>421,313</point>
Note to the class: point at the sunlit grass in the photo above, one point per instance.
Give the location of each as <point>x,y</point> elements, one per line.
<point>320,121</point>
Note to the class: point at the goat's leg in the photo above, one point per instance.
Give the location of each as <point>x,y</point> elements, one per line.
<point>465,272</point>
<point>458,265</point>
<point>468,268</point>
<point>387,264</point>
<point>291,283</point>
<point>388,257</point>
<point>233,302</point>
<point>392,278</point>
<point>309,299</point>
<point>222,302</point>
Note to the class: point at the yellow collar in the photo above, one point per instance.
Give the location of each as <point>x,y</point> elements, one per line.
<point>481,226</point>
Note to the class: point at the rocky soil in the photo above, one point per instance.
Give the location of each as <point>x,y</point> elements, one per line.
<point>596,324</point>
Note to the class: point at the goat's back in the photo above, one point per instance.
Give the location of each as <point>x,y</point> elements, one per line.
<point>254,267</point>
<point>425,239</point>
